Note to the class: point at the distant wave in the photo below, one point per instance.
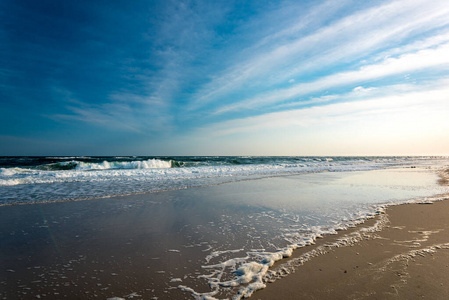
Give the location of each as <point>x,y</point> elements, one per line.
<point>19,170</point>
<point>147,162</point>
<point>104,165</point>
<point>138,164</point>
<point>37,179</point>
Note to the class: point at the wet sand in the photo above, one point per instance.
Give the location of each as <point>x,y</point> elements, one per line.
<point>145,246</point>
<point>92,249</point>
<point>407,259</point>
<point>142,246</point>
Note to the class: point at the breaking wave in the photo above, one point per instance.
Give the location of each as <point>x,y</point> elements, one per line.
<point>104,165</point>
<point>38,179</point>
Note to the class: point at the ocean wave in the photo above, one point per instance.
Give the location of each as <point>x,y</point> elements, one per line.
<point>13,171</point>
<point>48,179</point>
<point>95,169</point>
<point>144,164</point>
<point>106,165</point>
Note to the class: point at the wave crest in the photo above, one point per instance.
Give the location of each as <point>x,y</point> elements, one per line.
<point>138,164</point>
<point>86,166</point>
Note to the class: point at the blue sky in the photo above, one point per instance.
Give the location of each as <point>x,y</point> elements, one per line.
<point>224,77</point>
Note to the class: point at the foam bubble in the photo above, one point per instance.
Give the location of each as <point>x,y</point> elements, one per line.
<point>106,165</point>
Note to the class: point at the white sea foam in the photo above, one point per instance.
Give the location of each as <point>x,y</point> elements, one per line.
<point>252,271</point>
<point>12,171</point>
<point>105,165</point>
<point>198,296</point>
<point>214,254</point>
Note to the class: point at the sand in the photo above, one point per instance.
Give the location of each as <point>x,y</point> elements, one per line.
<point>407,259</point>
<point>135,247</point>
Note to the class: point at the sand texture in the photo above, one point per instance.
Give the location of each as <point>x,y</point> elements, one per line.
<point>407,259</point>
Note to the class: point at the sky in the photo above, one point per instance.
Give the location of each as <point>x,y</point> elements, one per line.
<point>225,77</point>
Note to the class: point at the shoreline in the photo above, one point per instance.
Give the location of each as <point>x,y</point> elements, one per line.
<point>403,253</point>
<point>152,245</point>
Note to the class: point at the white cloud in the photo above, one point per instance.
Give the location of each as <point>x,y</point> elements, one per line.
<point>435,57</point>
<point>346,39</point>
<point>361,89</point>
<point>431,100</point>
<point>420,44</point>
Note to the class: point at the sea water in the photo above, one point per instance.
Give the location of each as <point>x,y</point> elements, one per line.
<point>48,179</point>
<point>226,220</point>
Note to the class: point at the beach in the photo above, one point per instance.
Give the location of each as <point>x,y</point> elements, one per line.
<point>212,150</point>
<point>407,259</point>
<point>224,150</point>
<point>341,235</point>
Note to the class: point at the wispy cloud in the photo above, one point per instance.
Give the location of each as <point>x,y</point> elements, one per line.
<point>153,81</point>
<point>431,98</point>
<point>344,40</point>
<point>423,59</point>
<point>109,116</point>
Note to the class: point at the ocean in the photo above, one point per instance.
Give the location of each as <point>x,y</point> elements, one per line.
<point>205,227</point>
<point>49,179</point>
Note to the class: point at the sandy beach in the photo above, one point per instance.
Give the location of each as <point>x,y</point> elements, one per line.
<point>224,150</point>
<point>173,244</point>
<point>406,258</point>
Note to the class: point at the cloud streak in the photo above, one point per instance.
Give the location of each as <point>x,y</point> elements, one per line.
<point>345,40</point>
<point>423,59</point>
<point>431,99</point>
